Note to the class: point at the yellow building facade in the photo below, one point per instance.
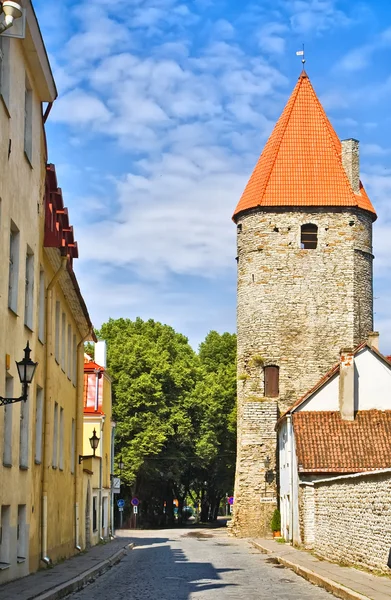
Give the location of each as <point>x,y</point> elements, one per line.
<point>41,481</point>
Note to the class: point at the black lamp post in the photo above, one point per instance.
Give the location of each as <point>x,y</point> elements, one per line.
<point>94,441</point>
<point>26,370</point>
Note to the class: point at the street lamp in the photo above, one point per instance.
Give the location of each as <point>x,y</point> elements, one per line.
<point>26,369</point>
<point>94,441</point>
<point>12,10</point>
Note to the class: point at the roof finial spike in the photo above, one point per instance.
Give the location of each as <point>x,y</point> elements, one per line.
<point>301,53</point>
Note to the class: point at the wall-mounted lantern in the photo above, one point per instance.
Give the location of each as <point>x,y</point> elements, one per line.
<point>94,442</point>
<point>26,370</point>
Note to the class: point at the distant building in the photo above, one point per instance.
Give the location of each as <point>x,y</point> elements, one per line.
<point>304,252</point>
<point>97,496</point>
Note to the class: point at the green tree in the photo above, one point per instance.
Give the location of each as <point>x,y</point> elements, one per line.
<point>215,396</point>
<point>175,415</point>
<point>153,369</point>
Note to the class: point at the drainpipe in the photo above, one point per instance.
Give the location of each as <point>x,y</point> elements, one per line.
<point>291,499</point>
<point>79,431</point>
<point>47,408</point>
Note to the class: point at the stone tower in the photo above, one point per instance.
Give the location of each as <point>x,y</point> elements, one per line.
<point>304,238</point>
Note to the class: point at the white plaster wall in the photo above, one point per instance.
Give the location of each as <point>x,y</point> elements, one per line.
<point>324,399</point>
<point>372,381</point>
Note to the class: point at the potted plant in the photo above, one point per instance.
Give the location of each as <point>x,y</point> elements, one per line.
<point>276,524</point>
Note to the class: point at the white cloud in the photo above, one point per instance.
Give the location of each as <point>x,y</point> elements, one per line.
<point>361,57</point>
<point>271,40</point>
<point>315,16</point>
<point>80,108</point>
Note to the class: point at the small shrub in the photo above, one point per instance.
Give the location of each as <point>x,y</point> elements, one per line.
<point>276,521</point>
<point>243,377</point>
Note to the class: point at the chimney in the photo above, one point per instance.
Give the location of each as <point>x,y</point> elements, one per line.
<point>351,162</point>
<point>100,353</point>
<point>346,384</point>
<point>373,340</point>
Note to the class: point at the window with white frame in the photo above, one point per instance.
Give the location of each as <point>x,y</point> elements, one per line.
<point>55,436</point>
<point>29,289</point>
<point>28,121</point>
<point>41,307</point>
<point>38,424</point>
<point>24,436</point>
<point>21,536</point>
<point>13,268</point>
<point>69,352</point>
<point>61,440</point>
<point>5,538</point>
<point>57,333</point>
<point>73,445</point>
<point>5,69</point>
<point>8,412</point>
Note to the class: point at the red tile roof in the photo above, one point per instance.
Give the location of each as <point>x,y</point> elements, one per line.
<point>325,443</point>
<point>301,164</point>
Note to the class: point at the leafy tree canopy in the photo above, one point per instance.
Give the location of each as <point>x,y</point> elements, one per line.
<point>175,414</point>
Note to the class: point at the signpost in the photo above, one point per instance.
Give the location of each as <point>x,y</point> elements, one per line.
<point>231,500</point>
<point>116,485</point>
<point>135,502</point>
<point>121,504</point>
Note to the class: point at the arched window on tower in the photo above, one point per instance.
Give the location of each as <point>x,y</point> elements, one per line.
<point>309,236</point>
<point>272,381</point>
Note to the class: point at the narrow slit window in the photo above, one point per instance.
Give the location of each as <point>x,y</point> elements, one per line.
<point>309,236</point>
<point>272,381</point>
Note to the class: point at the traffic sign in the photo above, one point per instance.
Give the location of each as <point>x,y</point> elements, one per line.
<point>135,501</point>
<point>120,503</point>
<point>231,500</point>
<point>135,510</point>
<point>121,510</point>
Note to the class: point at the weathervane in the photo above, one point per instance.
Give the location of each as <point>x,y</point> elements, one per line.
<point>301,53</point>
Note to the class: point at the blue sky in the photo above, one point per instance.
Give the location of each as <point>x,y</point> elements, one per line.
<point>164,107</point>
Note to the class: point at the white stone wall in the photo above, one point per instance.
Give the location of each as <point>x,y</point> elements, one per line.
<point>352,519</point>
<point>307,515</point>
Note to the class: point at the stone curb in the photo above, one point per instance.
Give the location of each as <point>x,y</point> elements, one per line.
<point>77,583</point>
<point>337,589</point>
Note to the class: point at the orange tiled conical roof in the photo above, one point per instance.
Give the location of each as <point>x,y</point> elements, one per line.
<point>301,164</point>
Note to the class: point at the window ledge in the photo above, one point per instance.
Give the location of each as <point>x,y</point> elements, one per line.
<point>54,467</point>
<point>13,311</point>
<point>23,467</point>
<point>38,462</point>
<point>21,559</point>
<point>7,465</point>
<point>4,565</point>
<point>41,341</point>
<point>29,327</point>
<point>5,106</point>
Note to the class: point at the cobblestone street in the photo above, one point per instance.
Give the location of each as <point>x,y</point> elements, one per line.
<point>197,565</point>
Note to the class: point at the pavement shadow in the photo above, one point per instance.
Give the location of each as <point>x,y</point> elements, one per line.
<point>168,574</point>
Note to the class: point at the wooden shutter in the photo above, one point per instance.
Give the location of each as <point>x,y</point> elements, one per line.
<point>272,375</point>
<point>309,236</point>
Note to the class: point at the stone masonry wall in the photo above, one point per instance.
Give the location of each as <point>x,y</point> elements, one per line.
<point>296,309</point>
<point>307,515</point>
<point>353,520</point>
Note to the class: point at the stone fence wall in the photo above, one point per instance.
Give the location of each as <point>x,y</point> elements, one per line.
<point>352,519</point>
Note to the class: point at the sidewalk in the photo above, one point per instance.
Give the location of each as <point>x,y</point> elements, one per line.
<point>344,582</point>
<point>68,576</point>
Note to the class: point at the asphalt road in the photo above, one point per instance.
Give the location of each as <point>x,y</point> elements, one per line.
<point>197,565</point>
